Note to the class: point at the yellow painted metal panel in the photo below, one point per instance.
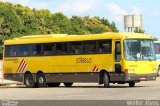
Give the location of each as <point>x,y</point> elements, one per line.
<point>61,64</point>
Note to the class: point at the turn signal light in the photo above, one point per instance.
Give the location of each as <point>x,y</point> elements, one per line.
<point>126,71</point>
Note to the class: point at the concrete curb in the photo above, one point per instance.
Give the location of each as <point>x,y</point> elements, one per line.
<point>8,82</point>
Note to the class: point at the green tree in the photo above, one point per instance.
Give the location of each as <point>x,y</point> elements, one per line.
<point>17,21</point>
<point>104,21</point>
<point>60,23</point>
<point>43,21</point>
<point>95,26</point>
<point>111,25</point>
<point>10,21</point>
<point>77,26</point>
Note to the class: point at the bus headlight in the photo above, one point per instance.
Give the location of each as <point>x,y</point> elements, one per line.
<point>154,70</point>
<point>131,71</point>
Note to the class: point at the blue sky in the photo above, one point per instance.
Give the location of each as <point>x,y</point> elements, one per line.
<point>114,10</point>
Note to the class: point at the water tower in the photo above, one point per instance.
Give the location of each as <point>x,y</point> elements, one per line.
<point>131,22</point>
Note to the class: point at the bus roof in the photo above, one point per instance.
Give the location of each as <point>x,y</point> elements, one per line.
<point>65,37</point>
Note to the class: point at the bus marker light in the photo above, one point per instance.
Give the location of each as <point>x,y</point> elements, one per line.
<point>126,71</point>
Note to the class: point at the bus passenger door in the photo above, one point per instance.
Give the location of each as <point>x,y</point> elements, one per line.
<point>117,56</point>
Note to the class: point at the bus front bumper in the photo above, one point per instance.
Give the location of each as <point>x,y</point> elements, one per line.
<point>132,77</point>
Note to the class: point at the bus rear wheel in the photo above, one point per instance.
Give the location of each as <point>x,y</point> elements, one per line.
<point>68,84</point>
<point>131,84</point>
<point>106,80</point>
<point>41,80</point>
<point>29,80</point>
<point>158,73</point>
<point>57,84</point>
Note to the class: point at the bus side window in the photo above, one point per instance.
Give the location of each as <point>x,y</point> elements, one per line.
<point>36,49</point>
<point>48,49</point>
<point>35,52</point>
<point>77,51</point>
<point>75,47</point>
<point>23,50</point>
<point>25,53</point>
<point>117,51</point>
<point>10,51</point>
<point>91,47</point>
<point>13,53</point>
<point>104,46</point>
<point>61,48</point>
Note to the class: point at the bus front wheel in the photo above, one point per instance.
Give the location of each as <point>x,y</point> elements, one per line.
<point>106,80</point>
<point>158,73</point>
<point>29,80</point>
<point>68,84</point>
<point>41,80</point>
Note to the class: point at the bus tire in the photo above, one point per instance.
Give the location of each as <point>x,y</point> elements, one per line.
<point>29,80</point>
<point>131,84</point>
<point>158,73</point>
<point>57,84</point>
<point>106,80</point>
<point>41,80</point>
<point>68,84</point>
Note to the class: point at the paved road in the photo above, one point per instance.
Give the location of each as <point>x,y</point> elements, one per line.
<point>84,91</point>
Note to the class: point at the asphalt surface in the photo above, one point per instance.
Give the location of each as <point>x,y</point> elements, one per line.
<point>147,90</point>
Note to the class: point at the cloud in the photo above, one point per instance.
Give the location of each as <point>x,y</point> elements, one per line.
<point>115,11</point>
<point>22,2</point>
<point>39,5</point>
<point>29,3</point>
<point>74,7</point>
<point>155,13</point>
<point>3,0</point>
<point>135,10</point>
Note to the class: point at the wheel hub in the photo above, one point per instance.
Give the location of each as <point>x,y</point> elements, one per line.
<point>41,80</point>
<point>28,81</point>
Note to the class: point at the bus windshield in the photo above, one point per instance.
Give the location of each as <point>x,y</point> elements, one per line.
<point>139,49</point>
<point>157,47</point>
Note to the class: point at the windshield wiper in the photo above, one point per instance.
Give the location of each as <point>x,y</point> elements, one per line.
<point>148,57</point>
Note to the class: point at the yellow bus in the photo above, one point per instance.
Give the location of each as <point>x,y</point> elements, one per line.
<point>157,53</point>
<point>48,60</point>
